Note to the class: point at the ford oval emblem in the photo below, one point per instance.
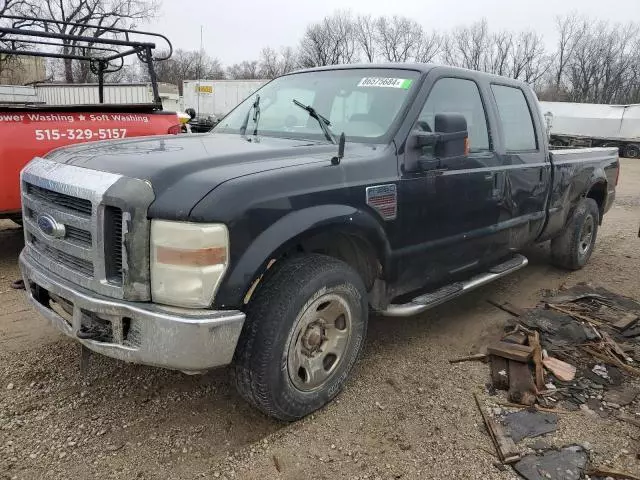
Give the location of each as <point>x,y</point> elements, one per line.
<point>50,227</point>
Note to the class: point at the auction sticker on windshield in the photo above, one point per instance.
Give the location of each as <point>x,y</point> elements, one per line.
<point>404,83</point>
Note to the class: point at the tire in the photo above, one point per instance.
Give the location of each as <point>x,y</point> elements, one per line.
<point>632,151</point>
<point>574,246</point>
<point>305,329</point>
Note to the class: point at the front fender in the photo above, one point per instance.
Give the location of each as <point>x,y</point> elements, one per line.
<point>286,233</point>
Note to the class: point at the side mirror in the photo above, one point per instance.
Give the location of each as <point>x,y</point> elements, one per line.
<point>453,141</point>
<point>450,139</point>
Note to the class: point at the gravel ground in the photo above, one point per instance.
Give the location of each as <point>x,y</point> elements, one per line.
<point>407,413</point>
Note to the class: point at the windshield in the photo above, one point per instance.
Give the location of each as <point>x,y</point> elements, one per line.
<point>362,103</point>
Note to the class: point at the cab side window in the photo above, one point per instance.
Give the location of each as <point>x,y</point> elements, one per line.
<point>458,95</point>
<point>515,117</point>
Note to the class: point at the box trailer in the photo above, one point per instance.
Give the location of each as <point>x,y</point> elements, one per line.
<point>217,97</point>
<point>14,94</point>
<point>114,94</point>
<point>594,125</point>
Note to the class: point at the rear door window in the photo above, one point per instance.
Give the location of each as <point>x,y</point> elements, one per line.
<point>515,117</point>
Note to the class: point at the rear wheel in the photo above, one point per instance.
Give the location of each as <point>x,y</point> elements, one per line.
<point>632,151</point>
<point>573,248</point>
<point>304,331</point>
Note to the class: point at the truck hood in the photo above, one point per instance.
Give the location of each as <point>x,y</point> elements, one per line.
<point>182,169</point>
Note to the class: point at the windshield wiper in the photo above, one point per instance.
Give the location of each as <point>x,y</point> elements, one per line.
<point>255,106</point>
<point>322,121</point>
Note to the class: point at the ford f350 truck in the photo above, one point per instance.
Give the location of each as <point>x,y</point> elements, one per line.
<point>330,193</point>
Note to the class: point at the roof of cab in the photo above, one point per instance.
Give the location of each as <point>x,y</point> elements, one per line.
<point>418,67</point>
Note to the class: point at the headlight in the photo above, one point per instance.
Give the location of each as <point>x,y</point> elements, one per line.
<point>188,261</point>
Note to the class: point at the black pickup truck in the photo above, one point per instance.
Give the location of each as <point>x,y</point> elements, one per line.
<point>331,193</point>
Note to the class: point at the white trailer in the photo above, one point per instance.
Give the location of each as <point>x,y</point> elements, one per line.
<point>593,125</point>
<point>115,93</point>
<point>216,98</point>
<point>10,94</point>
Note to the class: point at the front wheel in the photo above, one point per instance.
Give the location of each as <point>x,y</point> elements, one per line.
<point>304,331</point>
<point>574,246</point>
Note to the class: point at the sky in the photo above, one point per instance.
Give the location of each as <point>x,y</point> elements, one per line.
<point>237,30</point>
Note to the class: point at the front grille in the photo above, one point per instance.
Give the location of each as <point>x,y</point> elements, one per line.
<point>73,229</point>
<point>77,264</point>
<point>113,244</point>
<point>78,235</point>
<point>63,200</point>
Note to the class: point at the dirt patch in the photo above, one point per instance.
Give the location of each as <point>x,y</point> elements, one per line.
<point>406,413</point>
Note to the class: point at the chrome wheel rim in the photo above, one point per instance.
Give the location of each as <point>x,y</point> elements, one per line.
<point>319,342</point>
<point>586,235</point>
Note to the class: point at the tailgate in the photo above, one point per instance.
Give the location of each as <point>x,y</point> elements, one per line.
<point>27,134</point>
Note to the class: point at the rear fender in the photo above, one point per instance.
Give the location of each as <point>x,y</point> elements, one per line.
<point>288,232</point>
<point>598,177</point>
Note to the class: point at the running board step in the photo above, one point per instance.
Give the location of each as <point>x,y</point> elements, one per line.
<point>448,292</point>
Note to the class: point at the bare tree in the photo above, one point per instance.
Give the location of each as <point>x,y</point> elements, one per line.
<point>10,63</point>
<point>500,53</point>
<point>188,65</point>
<point>273,64</point>
<point>429,47</point>
<point>94,17</point>
<point>246,70</point>
<point>468,47</point>
<point>398,38</point>
<point>365,34</point>
<point>331,41</point>
<point>570,29</point>
<point>604,64</point>
<point>529,61</point>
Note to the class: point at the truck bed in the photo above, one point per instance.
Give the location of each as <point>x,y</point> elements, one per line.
<point>575,172</point>
<point>561,155</point>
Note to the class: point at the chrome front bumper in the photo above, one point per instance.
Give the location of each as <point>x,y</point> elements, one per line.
<point>180,339</point>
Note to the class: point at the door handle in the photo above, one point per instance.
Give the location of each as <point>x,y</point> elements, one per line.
<point>498,184</point>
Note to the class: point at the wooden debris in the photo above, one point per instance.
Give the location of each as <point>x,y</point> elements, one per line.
<point>607,472</point>
<point>563,371</point>
<point>499,372</point>
<point>470,358</point>
<point>521,387</point>
<point>534,341</point>
<point>509,308</point>
<point>611,360</point>
<point>511,351</point>
<point>537,407</point>
<point>608,314</point>
<point>276,463</point>
<point>573,314</point>
<point>506,448</point>
<point>615,348</point>
<point>519,338</point>
<point>627,321</point>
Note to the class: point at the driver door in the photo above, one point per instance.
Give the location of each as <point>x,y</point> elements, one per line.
<point>449,213</point>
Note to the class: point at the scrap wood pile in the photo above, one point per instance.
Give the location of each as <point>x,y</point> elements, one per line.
<point>579,350</point>
<point>578,345</point>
